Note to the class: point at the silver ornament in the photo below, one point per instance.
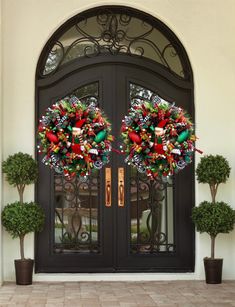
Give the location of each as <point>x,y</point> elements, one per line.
<point>98,164</point>
<point>181,164</point>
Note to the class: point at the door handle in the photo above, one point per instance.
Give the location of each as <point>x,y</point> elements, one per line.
<point>108,199</point>
<point>121,187</point>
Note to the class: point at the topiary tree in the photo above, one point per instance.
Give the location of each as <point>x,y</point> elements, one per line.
<point>213,170</point>
<point>213,218</point>
<point>21,219</point>
<point>21,170</point>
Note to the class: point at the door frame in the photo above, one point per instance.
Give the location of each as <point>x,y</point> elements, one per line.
<point>79,65</point>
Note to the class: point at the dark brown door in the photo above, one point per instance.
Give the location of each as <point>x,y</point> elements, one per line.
<point>147,227</point>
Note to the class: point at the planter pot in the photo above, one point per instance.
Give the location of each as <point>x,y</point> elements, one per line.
<point>213,270</point>
<point>24,271</point>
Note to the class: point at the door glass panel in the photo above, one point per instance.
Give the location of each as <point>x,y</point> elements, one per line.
<point>152,205</point>
<point>114,33</point>
<point>87,91</point>
<point>76,204</point>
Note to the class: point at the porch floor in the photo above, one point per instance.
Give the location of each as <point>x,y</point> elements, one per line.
<point>125,294</point>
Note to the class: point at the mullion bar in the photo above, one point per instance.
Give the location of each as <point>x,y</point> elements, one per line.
<point>90,224</point>
<point>138,211</point>
<point>166,212</point>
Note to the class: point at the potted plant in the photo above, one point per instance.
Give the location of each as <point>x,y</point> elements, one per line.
<point>20,218</point>
<point>213,217</point>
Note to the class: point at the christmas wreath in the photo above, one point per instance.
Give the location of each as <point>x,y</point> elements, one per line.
<point>158,137</point>
<point>75,137</point>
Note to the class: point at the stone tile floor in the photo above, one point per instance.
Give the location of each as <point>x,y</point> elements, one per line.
<point>123,294</point>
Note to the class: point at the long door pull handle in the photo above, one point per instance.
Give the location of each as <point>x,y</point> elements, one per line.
<point>108,187</point>
<point>121,187</point>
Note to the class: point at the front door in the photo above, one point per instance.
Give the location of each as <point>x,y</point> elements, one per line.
<point>117,220</point>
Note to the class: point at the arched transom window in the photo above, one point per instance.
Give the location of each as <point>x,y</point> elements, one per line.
<point>115,31</point>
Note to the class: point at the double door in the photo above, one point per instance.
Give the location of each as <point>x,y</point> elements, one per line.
<point>117,220</point>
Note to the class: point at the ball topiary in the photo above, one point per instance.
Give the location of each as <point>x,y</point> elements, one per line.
<point>21,170</point>
<point>213,218</point>
<point>213,170</point>
<point>20,219</point>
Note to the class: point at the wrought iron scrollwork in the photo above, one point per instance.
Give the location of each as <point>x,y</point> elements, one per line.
<point>74,212</point>
<point>113,33</point>
<point>151,235</point>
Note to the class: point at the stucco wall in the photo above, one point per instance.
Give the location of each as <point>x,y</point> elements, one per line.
<point>203,26</point>
<point>0,138</point>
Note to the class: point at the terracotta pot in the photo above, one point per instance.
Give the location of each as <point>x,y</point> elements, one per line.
<point>24,271</point>
<point>213,270</point>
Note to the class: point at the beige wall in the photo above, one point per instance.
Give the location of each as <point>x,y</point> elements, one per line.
<point>204,27</point>
<point>0,137</point>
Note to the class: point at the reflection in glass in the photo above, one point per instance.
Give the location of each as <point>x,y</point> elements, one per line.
<point>89,90</point>
<point>152,206</point>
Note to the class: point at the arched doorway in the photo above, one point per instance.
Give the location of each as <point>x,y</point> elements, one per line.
<point>113,54</point>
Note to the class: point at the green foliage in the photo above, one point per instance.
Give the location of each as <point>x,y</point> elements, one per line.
<point>213,170</point>
<point>20,169</point>
<point>20,219</point>
<point>213,218</point>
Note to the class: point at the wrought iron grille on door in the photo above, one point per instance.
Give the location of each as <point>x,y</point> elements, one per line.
<point>76,215</point>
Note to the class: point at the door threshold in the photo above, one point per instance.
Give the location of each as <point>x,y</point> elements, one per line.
<point>77,277</point>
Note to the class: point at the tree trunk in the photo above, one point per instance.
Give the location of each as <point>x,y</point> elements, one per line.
<point>212,247</point>
<point>20,189</point>
<point>21,197</point>
<point>213,189</point>
<point>22,247</point>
